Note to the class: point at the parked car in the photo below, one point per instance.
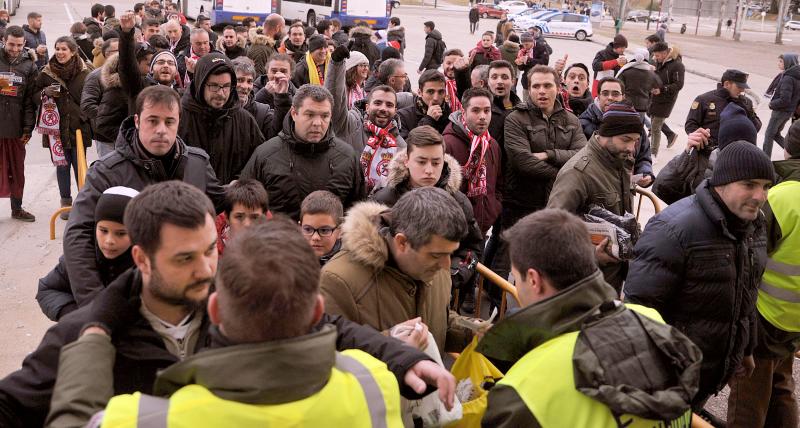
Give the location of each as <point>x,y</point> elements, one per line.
<point>638,16</point>
<point>529,18</point>
<point>659,17</point>
<point>10,5</point>
<point>513,6</point>
<point>793,25</point>
<point>564,25</point>
<point>490,10</point>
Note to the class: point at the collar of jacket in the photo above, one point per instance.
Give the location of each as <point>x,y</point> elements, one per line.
<point>717,214</point>
<point>723,93</point>
<point>301,147</point>
<point>603,155</point>
<point>498,102</point>
<point>399,175</point>
<point>264,373</point>
<point>532,108</point>
<point>26,53</point>
<point>422,108</point>
<point>517,334</point>
<point>788,170</point>
<point>127,145</point>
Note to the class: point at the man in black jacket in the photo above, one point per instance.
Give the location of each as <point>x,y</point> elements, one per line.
<point>18,70</point>
<point>171,219</point>
<point>268,119</point>
<point>148,151</point>
<point>429,107</point>
<point>670,70</point>
<point>699,263</point>
<point>94,23</point>
<point>213,120</point>
<point>608,61</point>
<point>434,48</point>
<point>306,156</point>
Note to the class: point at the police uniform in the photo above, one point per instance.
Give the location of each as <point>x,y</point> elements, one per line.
<point>707,108</point>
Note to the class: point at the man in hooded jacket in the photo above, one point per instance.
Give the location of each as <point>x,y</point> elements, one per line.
<point>783,103</point>
<point>213,119</point>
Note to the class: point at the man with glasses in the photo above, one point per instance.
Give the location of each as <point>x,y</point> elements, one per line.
<point>214,121</point>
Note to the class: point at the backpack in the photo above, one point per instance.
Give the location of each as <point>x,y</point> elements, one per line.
<point>438,52</point>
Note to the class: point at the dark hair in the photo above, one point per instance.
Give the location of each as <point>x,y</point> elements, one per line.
<point>168,202</point>
<point>453,51</point>
<point>158,41</point>
<point>487,33</point>
<point>660,47</point>
<point>200,19</point>
<point>283,58</point>
<point>107,44</point>
<point>157,95</point>
<point>14,31</point>
<point>323,26</point>
<point>336,23</point>
<point>501,63</point>
<point>381,88</point>
<point>34,15</point>
<point>110,34</point>
<point>426,212</point>
<point>268,298</point>
<point>322,202</point>
<point>246,22</point>
<point>580,65</point>
<point>471,93</point>
<point>653,38</point>
<point>568,256</point>
<point>394,20</point>
<point>430,24</point>
<point>543,69</point>
<point>423,136</point>
<point>247,192</point>
<point>97,9</point>
<point>138,7</point>
<point>315,92</point>
<point>431,76</point>
<point>228,27</point>
<point>69,41</point>
<point>388,68</point>
<point>151,22</point>
<point>109,10</point>
<point>297,25</point>
<point>605,80</point>
<point>77,28</point>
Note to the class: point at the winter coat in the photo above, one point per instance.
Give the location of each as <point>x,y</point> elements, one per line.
<point>85,47</point>
<point>364,284</point>
<point>361,41</point>
<point>184,42</point>
<point>483,56</point>
<point>540,56</point>
<point>701,272</point>
<point>290,169</point>
<point>55,293</point>
<point>16,102</point>
<point>413,116</point>
<point>269,119</point>
<point>397,34</point>
<point>671,72</point>
<point>239,49</point>
<point>578,105</point>
<point>509,51</point>
<point>229,134</point>
<point>32,41</point>
<point>434,51</point>
<point>90,98</point>
<point>707,108</point>
<point>474,15</point>
<point>592,118</point>
<point>527,131</point>
<point>93,29</point>
<point>25,395</point>
<point>300,76</point>
<point>787,95</point>
<point>605,61</point>
<point>457,144</point>
<point>296,52</point>
<point>638,84</point>
<point>113,107</point>
<point>130,166</point>
<point>69,105</point>
<point>262,49</point>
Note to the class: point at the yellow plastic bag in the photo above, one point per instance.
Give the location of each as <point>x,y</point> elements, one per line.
<point>474,366</point>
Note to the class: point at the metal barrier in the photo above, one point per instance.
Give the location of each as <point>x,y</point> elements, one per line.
<point>507,287</point>
<point>649,195</point>
<point>83,168</point>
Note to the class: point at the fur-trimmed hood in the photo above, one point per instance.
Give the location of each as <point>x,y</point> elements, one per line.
<point>109,73</point>
<point>260,39</point>
<point>400,30</point>
<point>240,41</point>
<point>361,235</point>
<point>360,31</point>
<point>451,174</point>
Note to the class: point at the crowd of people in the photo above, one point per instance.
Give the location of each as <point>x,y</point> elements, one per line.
<point>278,225</point>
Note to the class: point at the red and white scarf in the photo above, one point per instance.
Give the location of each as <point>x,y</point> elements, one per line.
<point>381,145</point>
<point>475,168</point>
<point>452,95</point>
<point>50,124</point>
<point>355,94</point>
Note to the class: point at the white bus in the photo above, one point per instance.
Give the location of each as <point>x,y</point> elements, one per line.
<point>376,13</point>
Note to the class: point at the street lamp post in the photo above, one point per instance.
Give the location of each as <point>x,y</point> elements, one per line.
<point>699,9</point>
<point>649,11</point>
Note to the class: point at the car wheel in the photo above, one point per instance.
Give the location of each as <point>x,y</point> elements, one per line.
<point>311,19</point>
<point>580,35</point>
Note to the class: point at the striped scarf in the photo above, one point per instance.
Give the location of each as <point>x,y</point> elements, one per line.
<point>381,144</point>
<point>452,95</point>
<point>475,168</point>
<point>50,125</point>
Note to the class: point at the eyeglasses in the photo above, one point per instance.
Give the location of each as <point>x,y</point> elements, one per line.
<point>323,231</point>
<point>213,87</point>
<point>611,93</point>
<point>363,65</point>
<point>400,76</point>
<point>163,62</point>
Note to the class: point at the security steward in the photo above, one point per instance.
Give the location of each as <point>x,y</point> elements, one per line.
<point>578,357</point>
<point>707,108</point>
<point>273,366</point>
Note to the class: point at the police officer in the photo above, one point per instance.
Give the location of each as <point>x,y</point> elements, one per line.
<point>707,108</point>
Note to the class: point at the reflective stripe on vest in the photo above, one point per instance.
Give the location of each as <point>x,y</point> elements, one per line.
<point>372,392</point>
<point>779,293</point>
<point>152,412</point>
<point>554,400</point>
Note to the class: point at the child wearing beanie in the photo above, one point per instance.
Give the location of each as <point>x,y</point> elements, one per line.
<point>55,294</point>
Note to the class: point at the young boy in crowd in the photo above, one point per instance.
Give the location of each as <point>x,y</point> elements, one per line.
<point>321,215</point>
<point>55,295</point>
<point>246,202</point>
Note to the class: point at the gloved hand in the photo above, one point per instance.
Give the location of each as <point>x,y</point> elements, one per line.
<point>341,53</point>
<point>113,309</point>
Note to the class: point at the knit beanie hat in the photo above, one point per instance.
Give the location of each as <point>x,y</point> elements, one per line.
<point>356,58</point>
<point>513,38</point>
<point>162,54</point>
<point>735,125</point>
<point>619,119</point>
<point>620,41</point>
<point>741,161</point>
<point>792,141</point>
<point>111,204</point>
<point>526,37</point>
<point>316,42</point>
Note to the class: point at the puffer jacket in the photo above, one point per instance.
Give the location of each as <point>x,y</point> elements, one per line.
<point>269,119</point>
<point>671,72</point>
<point>260,52</point>
<point>702,274</point>
<point>364,284</point>
<point>605,64</point>
<point>239,49</point>
<point>34,40</point>
<point>130,166</point>
<point>431,59</point>
<point>290,169</point>
<point>113,107</point>
<point>457,144</point>
<point>91,96</point>
<point>69,105</point>
<point>638,84</point>
<point>361,41</point>
<point>509,51</point>
<point>93,28</point>
<point>16,102</point>
<point>397,34</point>
<point>229,134</point>
<point>787,95</point>
<point>527,131</point>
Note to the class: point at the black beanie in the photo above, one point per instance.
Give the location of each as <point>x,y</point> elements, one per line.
<point>316,42</point>
<point>620,118</point>
<point>734,125</point>
<point>111,204</point>
<point>792,141</point>
<point>741,161</point>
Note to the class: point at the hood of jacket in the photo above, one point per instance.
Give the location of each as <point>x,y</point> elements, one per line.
<point>610,50</point>
<point>510,47</point>
<point>360,32</point>
<point>674,54</point>
<point>398,31</point>
<point>793,72</point>
<point>204,68</point>
<point>241,43</point>
<point>399,175</point>
<point>788,169</point>
<point>593,113</point>
<point>789,60</point>
<point>362,237</point>
<point>435,34</point>
<point>109,73</point>
<point>263,40</point>
<point>263,373</point>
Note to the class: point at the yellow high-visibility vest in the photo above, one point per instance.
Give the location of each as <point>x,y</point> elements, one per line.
<point>360,393</point>
<point>779,292</point>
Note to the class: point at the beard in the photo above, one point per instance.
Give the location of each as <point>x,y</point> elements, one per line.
<point>178,297</point>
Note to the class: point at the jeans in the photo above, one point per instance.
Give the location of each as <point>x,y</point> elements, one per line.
<point>765,399</point>
<point>777,121</point>
<point>473,26</point>
<point>62,172</point>
<point>103,148</point>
